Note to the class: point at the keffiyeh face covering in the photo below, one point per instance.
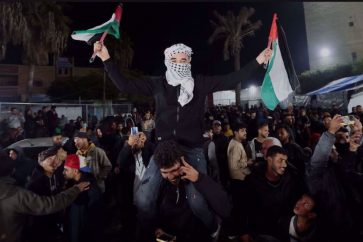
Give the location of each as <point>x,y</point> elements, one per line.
<point>180,73</point>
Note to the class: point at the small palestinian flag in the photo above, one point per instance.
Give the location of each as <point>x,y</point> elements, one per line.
<point>112,27</point>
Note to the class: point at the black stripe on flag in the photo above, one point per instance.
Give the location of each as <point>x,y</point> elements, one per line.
<point>286,56</point>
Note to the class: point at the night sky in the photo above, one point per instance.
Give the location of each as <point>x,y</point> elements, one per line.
<point>154,26</point>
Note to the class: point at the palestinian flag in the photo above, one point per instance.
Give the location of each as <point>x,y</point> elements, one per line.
<point>112,27</point>
<point>280,80</point>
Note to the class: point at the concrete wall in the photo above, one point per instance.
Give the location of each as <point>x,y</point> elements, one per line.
<point>328,26</point>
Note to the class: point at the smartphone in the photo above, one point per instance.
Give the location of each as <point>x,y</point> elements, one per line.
<point>84,125</point>
<point>134,130</point>
<point>165,238</point>
<point>348,120</point>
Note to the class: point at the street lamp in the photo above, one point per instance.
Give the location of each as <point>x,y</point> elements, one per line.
<point>252,89</point>
<point>324,52</point>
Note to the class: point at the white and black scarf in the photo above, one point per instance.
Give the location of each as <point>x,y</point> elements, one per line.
<point>180,73</point>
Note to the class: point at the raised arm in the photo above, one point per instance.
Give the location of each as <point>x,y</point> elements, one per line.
<point>227,82</point>
<point>141,86</point>
<point>33,204</point>
<point>320,158</point>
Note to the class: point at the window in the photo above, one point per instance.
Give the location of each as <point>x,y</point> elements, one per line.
<point>354,56</point>
<point>351,24</point>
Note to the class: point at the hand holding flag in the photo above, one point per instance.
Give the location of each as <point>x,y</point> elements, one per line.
<point>101,51</point>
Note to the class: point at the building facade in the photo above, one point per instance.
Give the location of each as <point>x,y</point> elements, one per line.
<point>334,33</point>
<point>14,78</point>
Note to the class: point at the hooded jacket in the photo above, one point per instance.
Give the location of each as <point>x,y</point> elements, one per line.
<point>17,203</point>
<point>23,167</point>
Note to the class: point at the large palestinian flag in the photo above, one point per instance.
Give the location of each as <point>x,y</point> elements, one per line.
<point>280,79</point>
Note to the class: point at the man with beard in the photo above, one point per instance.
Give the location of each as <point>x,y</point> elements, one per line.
<point>132,162</point>
<point>84,216</point>
<point>95,158</point>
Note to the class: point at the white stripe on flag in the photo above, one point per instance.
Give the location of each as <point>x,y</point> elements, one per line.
<point>87,36</point>
<point>279,78</point>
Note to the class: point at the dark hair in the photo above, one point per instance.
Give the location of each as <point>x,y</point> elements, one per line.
<point>48,152</point>
<point>260,125</point>
<point>7,165</point>
<point>288,130</point>
<point>274,150</point>
<point>343,130</point>
<point>167,153</point>
<point>237,126</point>
<point>14,150</point>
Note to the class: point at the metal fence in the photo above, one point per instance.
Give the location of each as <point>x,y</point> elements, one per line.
<point>69,110</point>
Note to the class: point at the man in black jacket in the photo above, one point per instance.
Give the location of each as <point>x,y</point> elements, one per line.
<point>46,180</point>
<point>173,214</point>
<point>271,195</point>
<point>179,101</point>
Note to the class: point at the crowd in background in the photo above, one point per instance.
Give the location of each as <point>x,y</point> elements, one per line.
<point>290,175</point>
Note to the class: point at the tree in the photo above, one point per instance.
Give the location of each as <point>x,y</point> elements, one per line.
<point>40,27</point>
<point>233,29</point>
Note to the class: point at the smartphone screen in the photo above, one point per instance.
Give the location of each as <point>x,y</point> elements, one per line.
<point>348,120</point>
<point>134,130</point>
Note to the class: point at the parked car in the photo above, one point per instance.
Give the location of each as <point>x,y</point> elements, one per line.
<point>32,147</point>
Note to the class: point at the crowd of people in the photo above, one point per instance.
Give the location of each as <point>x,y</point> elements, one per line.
<point>227,174</point>
<point>286,175</point>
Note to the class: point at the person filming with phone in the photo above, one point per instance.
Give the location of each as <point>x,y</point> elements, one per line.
<point>131,165</point>
<point>174,219</point>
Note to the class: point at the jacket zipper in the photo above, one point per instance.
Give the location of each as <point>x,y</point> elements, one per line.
<point>177,110</point>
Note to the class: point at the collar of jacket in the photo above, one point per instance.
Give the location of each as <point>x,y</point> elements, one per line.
<point>90,147</point>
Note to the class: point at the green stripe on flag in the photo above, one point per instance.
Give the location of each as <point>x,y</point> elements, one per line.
<point>112,28</point>
<point>267,91</point>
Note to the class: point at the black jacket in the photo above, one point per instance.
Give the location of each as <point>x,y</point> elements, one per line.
<point>44,228</point>
<point>84,221</point>
<point>185,123</point>
<point>175,216</point>
<point>267,202</point>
